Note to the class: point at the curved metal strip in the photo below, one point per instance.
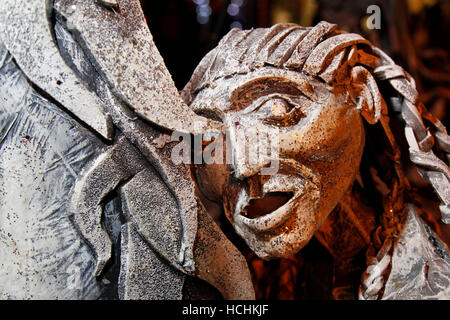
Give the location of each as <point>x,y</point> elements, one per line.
<point>118,164</point>
<point>26,31</point>
<point>120,45</point>
<point>144,275</point>
<point>308,43</point>
<point>316,60</point>
<point>218,262</point>
<point>149,204</point>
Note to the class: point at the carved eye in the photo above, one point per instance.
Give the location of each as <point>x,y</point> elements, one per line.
<point>280,112</point>
<point>280,108</point>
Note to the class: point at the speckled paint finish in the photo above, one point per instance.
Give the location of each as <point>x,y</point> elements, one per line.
<point>121,47</point>
<point>27,33</point>
<point>84,217</point>
<point>42,152</point>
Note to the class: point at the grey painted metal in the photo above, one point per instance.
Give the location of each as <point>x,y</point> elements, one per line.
<point>42,154</point>
<point>26,30</point>
<point>121,47</point>
<point>144,275</point>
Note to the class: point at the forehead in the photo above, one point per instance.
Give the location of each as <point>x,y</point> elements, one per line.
<point>227,94</point>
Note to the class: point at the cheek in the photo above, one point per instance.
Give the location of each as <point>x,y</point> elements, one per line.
<point>212,180</point>
<point>332,146</point>
<point>323,133</point>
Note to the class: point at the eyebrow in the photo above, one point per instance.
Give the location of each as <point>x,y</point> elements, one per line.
<point>245,94</point>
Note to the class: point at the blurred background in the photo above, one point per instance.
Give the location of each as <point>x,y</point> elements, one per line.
<point>415,33</point>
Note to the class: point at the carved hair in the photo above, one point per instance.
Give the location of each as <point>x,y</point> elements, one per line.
<point>339,58</point>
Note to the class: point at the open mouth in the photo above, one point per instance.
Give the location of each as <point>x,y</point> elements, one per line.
<point>272,201</point>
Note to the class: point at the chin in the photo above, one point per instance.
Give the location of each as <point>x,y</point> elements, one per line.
<point>279,246</point>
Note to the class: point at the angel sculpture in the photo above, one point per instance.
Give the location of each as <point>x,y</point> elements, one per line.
<point>93,205</point>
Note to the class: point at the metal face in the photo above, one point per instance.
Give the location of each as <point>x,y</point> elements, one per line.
<point>320,146</point>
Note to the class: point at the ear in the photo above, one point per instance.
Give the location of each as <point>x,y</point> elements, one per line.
<point>366,94</point>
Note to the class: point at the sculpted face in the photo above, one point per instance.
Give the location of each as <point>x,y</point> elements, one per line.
<point>320,142</point>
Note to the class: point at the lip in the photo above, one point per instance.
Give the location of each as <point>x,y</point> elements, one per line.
<point>272,220</point>
<point>277,183</point>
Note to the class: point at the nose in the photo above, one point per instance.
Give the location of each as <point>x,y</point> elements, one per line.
<point>253,152</point>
